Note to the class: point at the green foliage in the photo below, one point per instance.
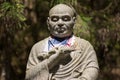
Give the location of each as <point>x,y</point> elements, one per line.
<point>71,2</point>
<point>13,11</point>
<point>81,28</point>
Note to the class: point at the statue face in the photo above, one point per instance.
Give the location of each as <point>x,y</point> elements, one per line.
<point>61,21</point>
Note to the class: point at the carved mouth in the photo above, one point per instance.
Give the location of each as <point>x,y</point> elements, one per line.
<point>60,30</point>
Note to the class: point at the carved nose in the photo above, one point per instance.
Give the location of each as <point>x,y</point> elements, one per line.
<point>60,25</point>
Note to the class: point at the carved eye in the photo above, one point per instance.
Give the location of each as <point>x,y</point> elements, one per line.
<point>66,18</point>
<point>54,18</point>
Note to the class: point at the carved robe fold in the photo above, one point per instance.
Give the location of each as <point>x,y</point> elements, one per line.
<point>82,66</point>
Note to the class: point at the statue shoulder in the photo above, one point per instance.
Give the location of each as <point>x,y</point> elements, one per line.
<point>82,43</point>
<point>40,45</point>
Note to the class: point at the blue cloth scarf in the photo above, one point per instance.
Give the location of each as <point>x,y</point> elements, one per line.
<point>53,42</point>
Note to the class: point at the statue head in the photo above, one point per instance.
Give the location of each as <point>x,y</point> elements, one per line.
<point>61,20</point>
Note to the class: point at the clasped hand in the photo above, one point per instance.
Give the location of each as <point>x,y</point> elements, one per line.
<point>59,53</point>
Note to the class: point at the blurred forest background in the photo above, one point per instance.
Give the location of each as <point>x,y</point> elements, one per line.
<point>23,23</point>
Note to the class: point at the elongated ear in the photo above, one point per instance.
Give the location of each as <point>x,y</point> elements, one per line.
<point>48,19</point>
<point>74,19</point>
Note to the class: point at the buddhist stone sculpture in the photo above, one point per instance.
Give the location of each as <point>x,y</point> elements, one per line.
<point>62,56</point>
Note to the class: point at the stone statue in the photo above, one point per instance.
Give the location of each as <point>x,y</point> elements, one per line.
<point>62,56</point>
